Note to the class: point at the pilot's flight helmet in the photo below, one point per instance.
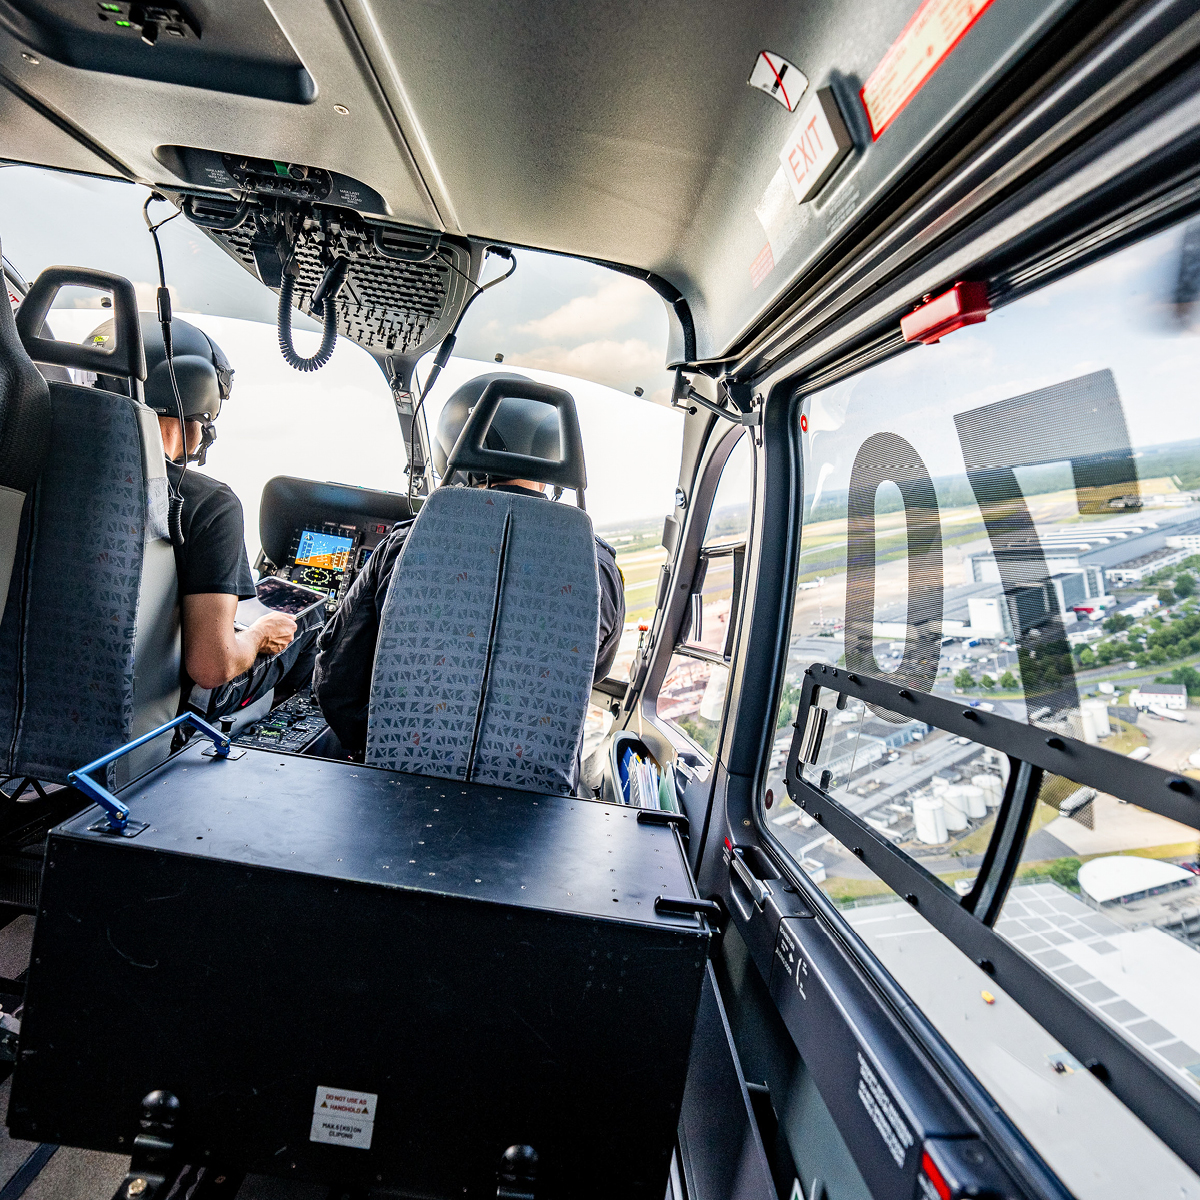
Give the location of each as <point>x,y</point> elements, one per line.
<point>520,426</point>
<point>202,372</point>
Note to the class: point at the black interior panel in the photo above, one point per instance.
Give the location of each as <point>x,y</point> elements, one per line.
<point>229,48</point>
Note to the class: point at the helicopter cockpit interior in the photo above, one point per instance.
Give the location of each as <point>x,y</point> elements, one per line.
<point>777,776</point>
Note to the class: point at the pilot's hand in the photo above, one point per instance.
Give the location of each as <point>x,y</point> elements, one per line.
<point>275,632</point>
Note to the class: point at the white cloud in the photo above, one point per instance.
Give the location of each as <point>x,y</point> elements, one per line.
<point>618,301</point>
<point>620,365</point>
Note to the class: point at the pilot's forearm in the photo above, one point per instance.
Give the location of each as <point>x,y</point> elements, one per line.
<point>248,645</point>
<point>215,651</point>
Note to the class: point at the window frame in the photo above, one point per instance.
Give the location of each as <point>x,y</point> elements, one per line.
<point>1167,1107</point>
<point>691,561</point>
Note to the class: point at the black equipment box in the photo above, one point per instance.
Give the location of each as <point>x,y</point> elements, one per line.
<point>351,975</point>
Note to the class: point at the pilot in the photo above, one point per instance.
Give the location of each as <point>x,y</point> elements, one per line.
<point>230,667</point>
<point>346,646</point>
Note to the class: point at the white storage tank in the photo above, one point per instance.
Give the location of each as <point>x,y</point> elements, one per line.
<point>974,804</point>
<point>929,814</point>
<point>992,790</point>
<point>1093,721</point>
<point>955,805</point>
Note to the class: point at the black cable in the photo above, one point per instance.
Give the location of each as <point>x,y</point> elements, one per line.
<point>447,348</point>
<point>175,493</point>
<point>324,297</point>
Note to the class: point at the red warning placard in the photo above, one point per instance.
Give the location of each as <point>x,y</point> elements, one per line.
<point>936,28</point>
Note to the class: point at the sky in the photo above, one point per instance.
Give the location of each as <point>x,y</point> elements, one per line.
<point>573,324</point>
<point>1114,314</point>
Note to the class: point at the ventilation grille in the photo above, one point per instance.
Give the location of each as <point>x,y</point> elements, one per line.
<point>384,305</point>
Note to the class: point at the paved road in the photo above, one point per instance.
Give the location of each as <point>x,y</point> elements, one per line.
<point>1171,741</point>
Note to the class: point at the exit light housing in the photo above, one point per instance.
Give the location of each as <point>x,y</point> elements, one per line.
<point>963,304</point>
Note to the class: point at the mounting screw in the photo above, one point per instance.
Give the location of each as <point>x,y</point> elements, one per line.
<point>1098,1069</point>
<point>970,714</point>
<point>32,59</point>
<point>1056,743</point>
<point>341,110</point>
<point>858,850</point>
<point>912,899</point>
<point>986,964</point>
<point>1179,785</point>
<point>852,678</point>
<point>745,822</point>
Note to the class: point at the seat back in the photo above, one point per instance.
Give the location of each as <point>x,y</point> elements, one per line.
<point>24,438</point>
<point>90,641</point>
<point>487,644</point>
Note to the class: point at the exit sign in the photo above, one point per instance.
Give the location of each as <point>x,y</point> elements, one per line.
<point>817,144</point>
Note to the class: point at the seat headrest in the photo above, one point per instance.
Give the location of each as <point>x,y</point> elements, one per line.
<point>470,455</point>
<point>126,359</point>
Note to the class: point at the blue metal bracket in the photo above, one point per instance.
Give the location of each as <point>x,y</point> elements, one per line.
<point>118,813</point>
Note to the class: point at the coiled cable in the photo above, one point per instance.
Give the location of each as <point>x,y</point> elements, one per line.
<point>324,299</point>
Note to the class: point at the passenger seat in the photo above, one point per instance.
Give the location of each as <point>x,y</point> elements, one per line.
<point>89,640</point>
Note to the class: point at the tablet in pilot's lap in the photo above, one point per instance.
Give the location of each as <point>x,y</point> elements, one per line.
<point>281,596</point>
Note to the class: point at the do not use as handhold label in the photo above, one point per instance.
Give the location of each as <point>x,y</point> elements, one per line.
<point>343,1118</point>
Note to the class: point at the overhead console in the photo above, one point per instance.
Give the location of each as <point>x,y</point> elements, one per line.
<point>303,231</point>
<point>322,534</point>
<point>268,177</point>
<point>239,49</point>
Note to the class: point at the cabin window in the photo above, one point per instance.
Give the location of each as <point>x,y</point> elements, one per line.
<point>1010,520</point>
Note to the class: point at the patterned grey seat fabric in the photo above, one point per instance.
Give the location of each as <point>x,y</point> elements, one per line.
<point>487,643</point>
<point>89,641</point>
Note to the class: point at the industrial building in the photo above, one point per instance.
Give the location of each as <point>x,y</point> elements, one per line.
<point>1102,553</point>
<point>1160,695</point>
<point>1126,878</point>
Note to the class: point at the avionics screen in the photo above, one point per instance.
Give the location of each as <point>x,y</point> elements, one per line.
<point>329,550</point>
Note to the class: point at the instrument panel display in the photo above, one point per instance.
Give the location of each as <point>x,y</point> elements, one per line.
<point>328,550</point>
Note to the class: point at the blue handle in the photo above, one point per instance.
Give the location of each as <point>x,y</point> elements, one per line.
<point>118,813</point>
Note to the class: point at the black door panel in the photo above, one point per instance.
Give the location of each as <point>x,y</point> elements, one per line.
<point>901,1121</point>
<point>723,1153</point>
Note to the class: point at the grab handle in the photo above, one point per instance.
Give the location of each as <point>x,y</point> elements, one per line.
<point>118,813</point>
